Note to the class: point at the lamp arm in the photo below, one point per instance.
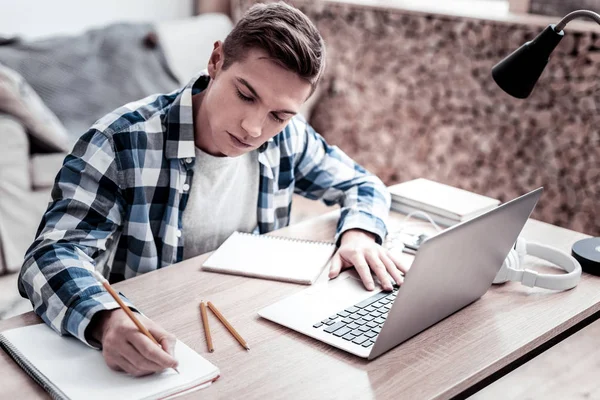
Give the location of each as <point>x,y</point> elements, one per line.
<point>576,14</point>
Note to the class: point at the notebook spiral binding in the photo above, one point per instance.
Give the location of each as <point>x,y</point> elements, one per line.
<point>289,239</point>
<point>31,370</point>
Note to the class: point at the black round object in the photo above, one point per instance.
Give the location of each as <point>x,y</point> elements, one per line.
<point>587,252</point>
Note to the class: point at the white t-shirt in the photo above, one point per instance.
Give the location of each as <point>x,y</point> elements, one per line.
<point>223,198</point>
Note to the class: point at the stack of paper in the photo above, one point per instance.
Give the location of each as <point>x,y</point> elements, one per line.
<point>445,204</point>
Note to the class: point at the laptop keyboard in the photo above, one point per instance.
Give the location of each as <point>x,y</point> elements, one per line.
<point>361,323</point>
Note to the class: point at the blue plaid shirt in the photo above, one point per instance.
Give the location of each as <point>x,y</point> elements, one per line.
<point>118,201</point>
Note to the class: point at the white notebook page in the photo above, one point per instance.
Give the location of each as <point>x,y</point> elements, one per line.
<point>271,257</point>
<point>80,372</point>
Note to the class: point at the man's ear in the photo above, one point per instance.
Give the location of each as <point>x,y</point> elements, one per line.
<point>215,63</point>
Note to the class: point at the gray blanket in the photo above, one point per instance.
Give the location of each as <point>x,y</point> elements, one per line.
<point>81,78</point>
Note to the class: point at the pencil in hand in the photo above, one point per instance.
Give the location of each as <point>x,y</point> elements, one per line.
<point>228,325</point>
<point>206,327</point>
<point>125,308</point>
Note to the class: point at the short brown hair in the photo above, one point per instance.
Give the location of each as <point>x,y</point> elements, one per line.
<point>285,33</point>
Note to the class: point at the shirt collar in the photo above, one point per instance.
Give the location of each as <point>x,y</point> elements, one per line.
<point>179,120</point>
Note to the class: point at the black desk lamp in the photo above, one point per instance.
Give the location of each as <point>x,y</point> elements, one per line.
<point>518,73</point>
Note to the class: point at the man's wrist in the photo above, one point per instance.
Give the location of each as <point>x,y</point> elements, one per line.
<point>354,233</point>
<point>95,329</point>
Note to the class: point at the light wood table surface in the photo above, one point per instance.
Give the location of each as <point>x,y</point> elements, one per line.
<point>569,370</point>
<point>446,360</point>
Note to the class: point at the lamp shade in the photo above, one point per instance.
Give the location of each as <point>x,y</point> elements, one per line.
<point>518,73</point>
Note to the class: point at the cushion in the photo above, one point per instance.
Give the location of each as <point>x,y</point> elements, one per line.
<point>19,100</point>
<point>21,208</point>
<point>188,43</point>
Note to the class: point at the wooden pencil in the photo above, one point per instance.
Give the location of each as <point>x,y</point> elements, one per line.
<point>209,342</point>
<point>230,328</point>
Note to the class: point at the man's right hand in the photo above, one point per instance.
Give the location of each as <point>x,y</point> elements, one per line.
<point>127,349</point>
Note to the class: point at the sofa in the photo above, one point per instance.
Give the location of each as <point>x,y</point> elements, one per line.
<point>52,90</point>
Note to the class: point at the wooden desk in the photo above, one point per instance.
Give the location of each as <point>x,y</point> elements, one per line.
<point>568,370</point>
<point>507,323</point>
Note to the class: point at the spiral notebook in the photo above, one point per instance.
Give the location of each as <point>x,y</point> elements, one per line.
<point>68,369</point>
<point>271,257</point>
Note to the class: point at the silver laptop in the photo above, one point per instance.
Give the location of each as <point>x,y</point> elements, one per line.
<point>450,271</point>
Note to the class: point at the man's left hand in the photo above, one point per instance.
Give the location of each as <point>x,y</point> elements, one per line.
<point>358,248</point>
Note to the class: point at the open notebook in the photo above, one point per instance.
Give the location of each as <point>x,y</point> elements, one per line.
<point>68,369</point>
<point>271,257</point>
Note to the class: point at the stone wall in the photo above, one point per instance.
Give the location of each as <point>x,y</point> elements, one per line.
<point>411,95</point>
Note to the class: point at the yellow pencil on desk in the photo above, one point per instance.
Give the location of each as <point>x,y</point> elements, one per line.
<point>127,310</point>
<point>229,327</point>
<point>206,327</point>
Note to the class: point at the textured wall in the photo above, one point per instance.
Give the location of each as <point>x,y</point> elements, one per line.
<point>562,7</point>
<point>410,95</point>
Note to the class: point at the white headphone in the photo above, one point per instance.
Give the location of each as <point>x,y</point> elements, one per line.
<point>512,268</point>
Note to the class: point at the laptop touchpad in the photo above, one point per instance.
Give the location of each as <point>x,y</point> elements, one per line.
<point>320,301</point>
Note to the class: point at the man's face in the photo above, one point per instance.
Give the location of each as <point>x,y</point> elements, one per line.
<point>247,104</point>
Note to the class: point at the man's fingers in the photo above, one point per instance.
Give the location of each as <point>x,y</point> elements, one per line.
<point>397,261</point>
<point>167,340</point>
<point>131,368</point>
<point>168,344</point>
<point>130,353</point>
<point>379,268</point>
<point>119,363</point>
<point>362,267</point>
<point>391,268</point>
<point>335,266</point>
<point>149,350</point>
<point>121,355</point>
<point>111,360</point>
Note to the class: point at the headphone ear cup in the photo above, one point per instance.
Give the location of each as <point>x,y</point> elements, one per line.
<point>510,262</point>
<point>521,251</point>
<point>502,275</point>
<point>515,260</point>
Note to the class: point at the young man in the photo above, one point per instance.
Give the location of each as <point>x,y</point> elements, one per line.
<point>172,176</point>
